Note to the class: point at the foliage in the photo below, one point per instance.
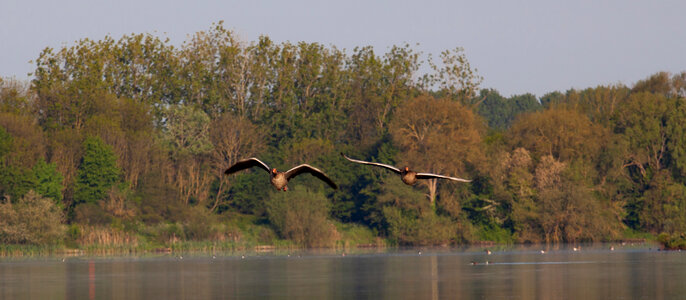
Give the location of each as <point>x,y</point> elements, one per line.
<point>32,219</point>
<point>673,241</point>
<point>133,135</point>
<point>301,216</point>
<point>48,181</point>
<point>500,112</point>
<point>438,136</point>
<point>97,173</point>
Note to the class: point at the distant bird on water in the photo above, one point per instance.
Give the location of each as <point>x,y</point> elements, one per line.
<point>408,176</point>
<point>280,179</point>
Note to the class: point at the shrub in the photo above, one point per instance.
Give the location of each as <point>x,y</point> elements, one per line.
<point>91,214</point>
<point>427,229</point>
<point>31,220</point>
<point>301,216</point>
<point>198,224</point>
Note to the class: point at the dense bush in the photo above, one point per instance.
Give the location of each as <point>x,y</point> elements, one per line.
<point>32,219</point>
<point>302,216</point>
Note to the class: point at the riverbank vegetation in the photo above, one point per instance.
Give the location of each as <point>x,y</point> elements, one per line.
<point>122,144</point>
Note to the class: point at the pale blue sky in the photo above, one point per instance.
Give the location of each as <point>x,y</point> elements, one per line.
<point>533,46</point>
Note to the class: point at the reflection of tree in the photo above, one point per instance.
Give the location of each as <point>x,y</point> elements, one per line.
<point>434,277</point>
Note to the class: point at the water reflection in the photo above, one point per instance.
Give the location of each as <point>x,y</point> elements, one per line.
<point>512,273</point>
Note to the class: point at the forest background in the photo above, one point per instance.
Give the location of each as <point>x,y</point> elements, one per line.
<point>122,144</point>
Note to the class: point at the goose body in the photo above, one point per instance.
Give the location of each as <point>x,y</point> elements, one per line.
<point>280,179</point>
<point>408,176</point>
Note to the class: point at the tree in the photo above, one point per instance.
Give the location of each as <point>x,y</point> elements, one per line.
<point>97,173</point>
<point>642,123</point>
<point>438,136</point>
<point>15,180</point>
<point>48,181</point>
<point>16,96</point>
<point>663,205</point>
<point>501,112</point>
<point>562,133</point>
<point>455,78</point>
<point>568,210</point>
<point>233,138</point>
<point>28,140</point>
<point>188,142</point>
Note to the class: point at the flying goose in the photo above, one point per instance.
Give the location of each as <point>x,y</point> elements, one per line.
<point>408,176</point>
<point>280,179</point>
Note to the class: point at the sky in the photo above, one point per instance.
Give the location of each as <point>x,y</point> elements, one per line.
<point>517,46</point>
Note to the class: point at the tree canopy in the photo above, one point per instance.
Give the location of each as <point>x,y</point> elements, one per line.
<point>137,131</point>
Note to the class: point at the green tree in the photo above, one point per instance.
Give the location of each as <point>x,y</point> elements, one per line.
<point>97,173</point>
<point>15,180</point>
<point>663,205</point>
<point>501,112</point>
<point>48,181</point>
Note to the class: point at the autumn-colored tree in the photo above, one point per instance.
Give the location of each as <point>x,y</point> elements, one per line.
<point>568,210</point>
<point>562,133</point>
<point>438,136</point>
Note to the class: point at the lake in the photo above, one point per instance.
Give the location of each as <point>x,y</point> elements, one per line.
<point>516,272</point>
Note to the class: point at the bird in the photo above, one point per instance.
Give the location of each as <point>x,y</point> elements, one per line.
<point>280,179</point>
<point>488,252</point>
<point>408,176</point>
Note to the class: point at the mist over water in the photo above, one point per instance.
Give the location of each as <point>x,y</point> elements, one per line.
<point>594,272</point>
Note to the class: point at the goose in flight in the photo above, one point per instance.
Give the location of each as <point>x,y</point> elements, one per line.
<point>280,179</point>
<point>408,176</point>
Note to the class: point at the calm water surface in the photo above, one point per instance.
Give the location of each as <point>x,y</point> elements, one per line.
<point>595,272</point>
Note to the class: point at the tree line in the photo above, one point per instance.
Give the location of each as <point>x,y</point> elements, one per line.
<point>134,133</point>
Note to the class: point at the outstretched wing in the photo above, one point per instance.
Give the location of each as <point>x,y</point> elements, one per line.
<point>305,168</point>
<point>247,163</point>
<point>392,168</point>
<point>430,175</point>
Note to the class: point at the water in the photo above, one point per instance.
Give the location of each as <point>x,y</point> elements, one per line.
<point>512,273</point>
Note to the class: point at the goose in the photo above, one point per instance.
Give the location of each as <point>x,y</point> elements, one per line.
<point>408,176</point>
<point>280,179</point>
